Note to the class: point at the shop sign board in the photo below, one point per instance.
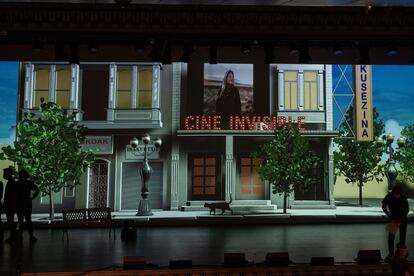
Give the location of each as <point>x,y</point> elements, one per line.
<point>102,144</point>
<point>363,103</point>
<point>138,152</point>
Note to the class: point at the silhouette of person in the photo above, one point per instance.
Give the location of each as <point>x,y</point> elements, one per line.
<point>10,197</point>
<point>1,207</point>
<point>395,206</point>
<point>228,97</point>
<point>25,187</point>
<point>399,264</point>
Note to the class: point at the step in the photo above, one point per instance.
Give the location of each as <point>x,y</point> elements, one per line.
<point>238,208</point>
<point>235,202</point>
<point>311,202</point>
<point>310,207</point>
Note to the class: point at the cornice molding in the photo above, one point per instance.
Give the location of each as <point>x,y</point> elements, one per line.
<point>208,20</point>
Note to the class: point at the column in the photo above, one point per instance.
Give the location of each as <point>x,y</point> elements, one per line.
<point>28,85</point>
<point>229,168</point>
<point>300,90</point>
<point>175,148</point>
<point>331,193</point>
<point>280,91</point>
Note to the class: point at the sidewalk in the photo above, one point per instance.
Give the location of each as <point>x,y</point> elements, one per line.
<point>345,212</point>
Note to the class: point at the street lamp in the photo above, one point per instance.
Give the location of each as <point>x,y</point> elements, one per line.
<point>144,208</point>
<point>390,169</point>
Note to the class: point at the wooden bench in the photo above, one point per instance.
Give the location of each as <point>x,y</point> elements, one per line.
<point>72,217</point>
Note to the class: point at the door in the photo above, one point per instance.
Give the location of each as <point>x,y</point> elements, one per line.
<point>205,177</point>
<point>316,191</point>
<point>132,184</point>
<point>250,185</point>
<point>98,184</point>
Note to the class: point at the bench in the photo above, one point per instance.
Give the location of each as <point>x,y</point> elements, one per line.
<point>73,217</point>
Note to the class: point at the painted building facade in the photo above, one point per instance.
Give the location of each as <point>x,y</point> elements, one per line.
<point>118,101</point>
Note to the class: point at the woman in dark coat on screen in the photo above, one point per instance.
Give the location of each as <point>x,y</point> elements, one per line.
<point>228,97</point>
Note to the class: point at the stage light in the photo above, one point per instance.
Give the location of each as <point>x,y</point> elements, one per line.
<point>245,48</point>
<point>93,48</point>
<point>338,50</point>
<point>37,46</point>
<point>234,259</point>
<point>140,47</point>
<point>392,51</point>
<point>181,264</point>
<point>294,51</point>
<point>213,54</point>
<point>277,259</point>
<point>369,257</point>
<point>321,261</point>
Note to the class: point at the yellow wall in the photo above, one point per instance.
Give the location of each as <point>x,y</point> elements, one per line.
<point>371,189</point>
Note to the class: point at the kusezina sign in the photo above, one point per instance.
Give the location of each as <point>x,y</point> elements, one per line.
<point>363,103</point>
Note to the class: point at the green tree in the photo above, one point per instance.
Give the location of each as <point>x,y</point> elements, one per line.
<point>288,163</point>
<point>405,155</point>
<point>48,146</point>
<point>358,162</point>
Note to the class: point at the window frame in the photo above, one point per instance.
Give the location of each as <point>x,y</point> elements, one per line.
<point>278,84</point>
<point>30,83</point>
<point>136,70</point>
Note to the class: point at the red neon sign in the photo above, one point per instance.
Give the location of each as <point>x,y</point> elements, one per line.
<point>213,122</point>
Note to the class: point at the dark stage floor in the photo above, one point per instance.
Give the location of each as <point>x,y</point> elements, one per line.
<point>90,249</point>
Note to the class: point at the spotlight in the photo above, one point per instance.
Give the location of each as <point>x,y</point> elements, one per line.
<point>140,47</point>
<point>37,46</point>
<point>268,53</point>
<point>93,48</point>
<point>392,51</point>
<point>187,52</point>
<point>213,54</point>
<point>246,48</point>
<point>337,50</point>
<point>364,55</point>
<point>294,51</point>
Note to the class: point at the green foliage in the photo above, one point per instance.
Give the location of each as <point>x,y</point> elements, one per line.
<point>288,163</point>
<point>49,148</point>
<point>359,162</point>
<point>405,155</point>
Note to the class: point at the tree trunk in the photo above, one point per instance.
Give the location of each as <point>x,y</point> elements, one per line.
<point>284,202</point>
<point>51,206</point>
<point>360,194</point>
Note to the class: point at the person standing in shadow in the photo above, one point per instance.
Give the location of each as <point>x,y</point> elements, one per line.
<point>10,198</point>
<point>395,206</point>
<point>1,207</point>
<point>26,192</point>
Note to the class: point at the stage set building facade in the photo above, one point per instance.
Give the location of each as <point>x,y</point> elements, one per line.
<point>202,158</point>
